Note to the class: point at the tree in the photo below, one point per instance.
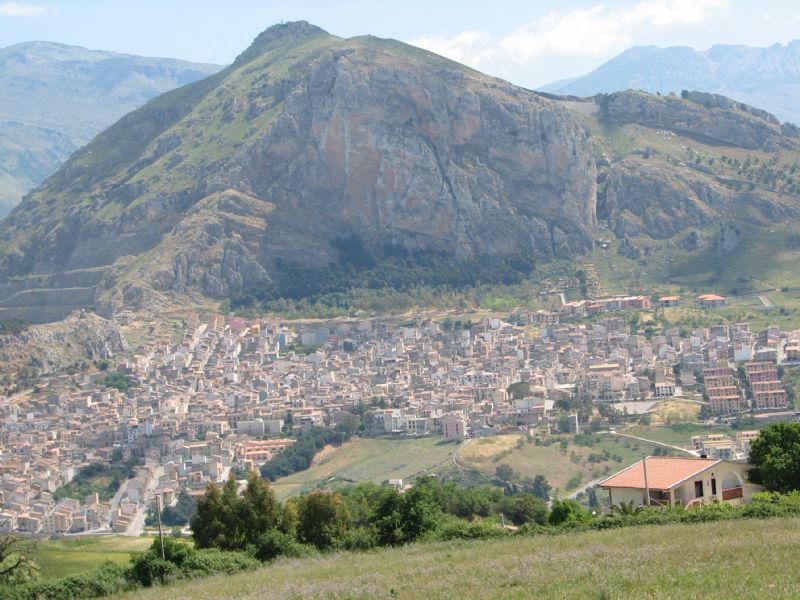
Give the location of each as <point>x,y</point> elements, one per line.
<point>419,510</point>
<point>567,511</point>
<point>208,528</point>
<point>323,519</point>
<point>182,512</point>
<point>349,425</point>
<point>504,472</point>
<point>404,518</point>
<point>524,508</point>
<point>226,521</point>
<point>593,500</point>
<point>290,517</point>
<point>233,534</point>
<point>775,455</point>
<point>519,390</point>
<point>540,488</point>
<point>258,508</point>
<point>625,509</point>
<point>16,559</point>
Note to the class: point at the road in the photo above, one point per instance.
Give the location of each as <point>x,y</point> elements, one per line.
<point>655,443</point>
<point>137,525</point>
<point>592,483</point>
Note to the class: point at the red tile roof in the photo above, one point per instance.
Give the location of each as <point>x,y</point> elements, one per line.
<point>663,472</point>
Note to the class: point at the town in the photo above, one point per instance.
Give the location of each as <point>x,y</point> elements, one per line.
<point>235,392</point>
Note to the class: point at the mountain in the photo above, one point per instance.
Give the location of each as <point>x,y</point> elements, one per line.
<point>315,163</point>
<point>55,98</point>
<point>765,77</point>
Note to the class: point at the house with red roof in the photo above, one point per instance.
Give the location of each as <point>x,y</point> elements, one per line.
<point>681,481</point>
<point>711,301</point>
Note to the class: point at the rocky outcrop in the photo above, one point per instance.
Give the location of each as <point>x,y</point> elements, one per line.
<point>733,125</point>
<point>646,198</point>
<point>720,101</point>
<point>306,139</point>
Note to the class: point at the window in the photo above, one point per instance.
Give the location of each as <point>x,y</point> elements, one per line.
<point>698,489</point>
<point>713,486</point>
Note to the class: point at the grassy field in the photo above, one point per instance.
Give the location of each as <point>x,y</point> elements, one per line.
<point>564,469</point>
<point>730,559</point>
<point>60,558</point>
<point>677,435</point>
<point>368,459</point>
<point>675,411</point>
<point>791,380</point>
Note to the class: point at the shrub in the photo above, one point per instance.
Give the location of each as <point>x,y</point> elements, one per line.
<point>524,508</point>
<point>275,543</point>
<point>403,518</point>
<point>362,538</point>
<point>567,511</point>
<point>148,569</point>
<point>183,561</point>
<point>211,561</point>
<point>458,529</point>
<point>104,580</point>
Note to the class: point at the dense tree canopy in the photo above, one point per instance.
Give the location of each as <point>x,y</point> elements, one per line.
<point>323,519</point>
<point>228,521</point>
<point>775,455</point>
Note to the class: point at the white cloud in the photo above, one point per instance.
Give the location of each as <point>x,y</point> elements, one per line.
<point>22,9</point>
<point>462,47</point>
<point>594,31</point>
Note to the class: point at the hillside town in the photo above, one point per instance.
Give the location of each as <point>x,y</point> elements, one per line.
<point>234,392</point>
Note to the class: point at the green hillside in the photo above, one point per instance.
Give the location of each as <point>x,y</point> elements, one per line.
<point>367,459</point>
<point>731,560</point>
<point>62,558</point>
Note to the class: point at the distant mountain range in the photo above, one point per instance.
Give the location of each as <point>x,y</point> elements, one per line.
<point>55,98</point>
<point>768,78</point>
<point>315,164</point>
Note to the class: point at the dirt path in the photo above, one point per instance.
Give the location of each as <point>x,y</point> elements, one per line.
<point>655,443</point>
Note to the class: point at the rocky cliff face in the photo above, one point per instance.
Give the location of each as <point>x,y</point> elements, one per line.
<point>705,117</point>
<point>308,140</point>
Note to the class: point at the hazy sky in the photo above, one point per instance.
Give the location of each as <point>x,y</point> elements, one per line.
<point>529,43</point>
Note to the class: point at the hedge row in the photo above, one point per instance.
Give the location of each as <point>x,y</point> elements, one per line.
<point>146,569</point>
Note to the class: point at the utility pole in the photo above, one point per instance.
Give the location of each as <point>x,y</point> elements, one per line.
<point>160,533</point>
<point>646,486</point>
